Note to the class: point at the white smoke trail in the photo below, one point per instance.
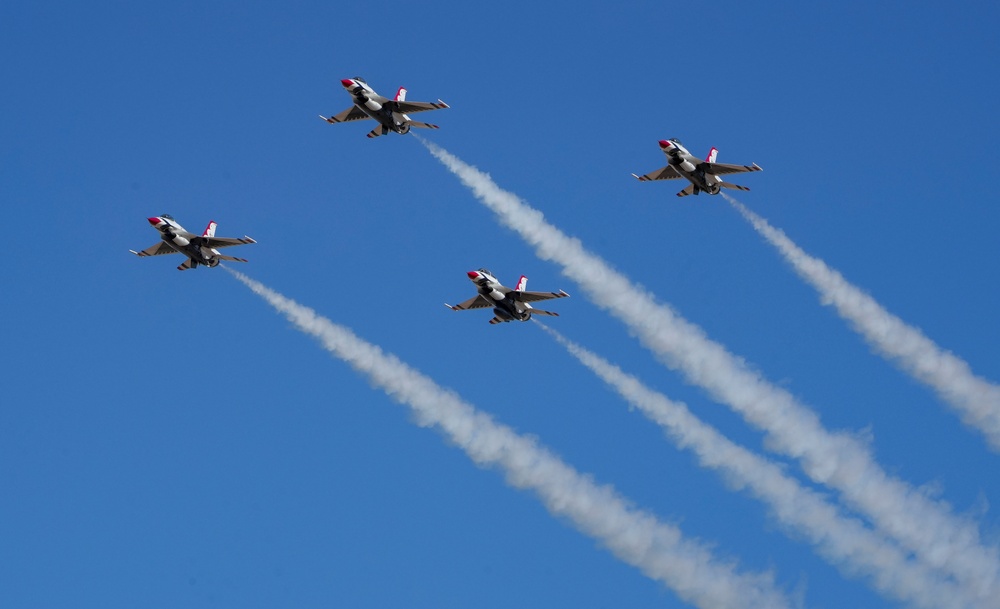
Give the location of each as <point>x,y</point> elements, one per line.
<point>976,399</point>
<point>839,460</point>
<point>845,542</point>
<point>636,537</point>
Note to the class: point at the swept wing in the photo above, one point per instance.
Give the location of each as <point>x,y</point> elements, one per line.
<point>476,302</point>
<point>667,173</point>
<point>721,169</point>
<point>216,242</point>
<point>159,249</point>
<point>351,114</point>
<point>536,296</point>
<point>409,107</point>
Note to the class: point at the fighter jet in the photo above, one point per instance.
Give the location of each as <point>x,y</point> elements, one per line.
<point>507,304</point>
<point>703,175</point>
<point>201,250</point>
<point>390,113</point>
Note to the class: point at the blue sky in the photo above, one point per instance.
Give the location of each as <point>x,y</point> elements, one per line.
<point>166,438</point>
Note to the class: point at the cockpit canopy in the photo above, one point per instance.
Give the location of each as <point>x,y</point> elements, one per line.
<point>359,79</point>
<point>167,216</point>
<point>676,141</point>
<point>487,272</point>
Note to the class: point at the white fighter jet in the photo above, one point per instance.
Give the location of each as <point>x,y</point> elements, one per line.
<point>703,175</point>
<point>507,304</point>
<point>201,250</point>
<point>390,113</point>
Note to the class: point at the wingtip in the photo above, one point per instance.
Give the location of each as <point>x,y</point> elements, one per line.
<point>249,239</point>
<point>136,253</point>
<point>563,293</point>
<point>757,167</point>
<point>637,177</point>
<point>450,307</point>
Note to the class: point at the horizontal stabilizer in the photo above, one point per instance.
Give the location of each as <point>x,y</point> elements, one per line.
<point>541,312</point>
<point>687,191</point>
<point>423,125</point>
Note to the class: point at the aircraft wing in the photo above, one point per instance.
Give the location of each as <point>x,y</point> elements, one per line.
<point>215,242</point>
<point>477,302</point>
<point>721,169</point>
<point>159,249</point>
<point>408,107</point>
<point>667,173</point>
<point>536,296</point>
<point>351,114</point>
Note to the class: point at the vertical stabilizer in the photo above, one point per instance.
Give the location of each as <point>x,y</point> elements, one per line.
<point>714,152</point>
<point>401,94</point>
<point>210,229</point>
<point>522,284</point>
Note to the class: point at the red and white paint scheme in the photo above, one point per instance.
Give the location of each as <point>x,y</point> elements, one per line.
<point>703,175</point>
<point>391,114</point>
<point>508,304</point>
<point>203,249</point>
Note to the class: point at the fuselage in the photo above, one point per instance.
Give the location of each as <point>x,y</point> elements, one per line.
<point>504,307</point>
<point>375,106</point>
<point>690,166</point>
<point>187,243</point>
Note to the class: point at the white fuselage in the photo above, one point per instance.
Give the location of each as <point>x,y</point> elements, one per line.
<point>689,166</point>
<point>380,108</point>
<point>187,243</point>
<point>504,308</point>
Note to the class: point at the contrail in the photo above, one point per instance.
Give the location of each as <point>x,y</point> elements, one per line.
<point>976,399</point>
<point>839,460</point>
<point>636,537</point>
<point>845,542</point>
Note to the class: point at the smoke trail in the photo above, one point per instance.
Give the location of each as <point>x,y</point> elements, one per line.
<point>636,537</point>
<point>976,399</point>
<point>846,542</point>
<point>839,460</point>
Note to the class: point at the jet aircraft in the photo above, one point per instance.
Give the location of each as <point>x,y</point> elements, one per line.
<point>703,175</point>
<point>507,304</point>
<point>390,113</point>
<point>201,250</point>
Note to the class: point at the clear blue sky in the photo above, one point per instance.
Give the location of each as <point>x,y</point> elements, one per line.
<point>167,440</point>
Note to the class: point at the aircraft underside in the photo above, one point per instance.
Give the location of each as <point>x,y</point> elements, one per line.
<point>386,118</point>
<point>195,253</point>
<point>700,182</point>
<point>506,310</point>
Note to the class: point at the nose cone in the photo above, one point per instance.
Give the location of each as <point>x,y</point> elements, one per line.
<point>154,220</point>
<point>347,82</point>
<point>665,144</point>
<point>473,275</point>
